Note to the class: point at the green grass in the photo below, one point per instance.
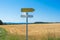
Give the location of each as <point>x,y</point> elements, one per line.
<point>22,37</point>
<point>13,37</point>
<point>5,36</point>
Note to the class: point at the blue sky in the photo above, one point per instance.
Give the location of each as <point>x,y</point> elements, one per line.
<point>45,10</point>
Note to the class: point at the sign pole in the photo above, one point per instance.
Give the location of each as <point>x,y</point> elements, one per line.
<point>27,10</point>
<point>26,25</point>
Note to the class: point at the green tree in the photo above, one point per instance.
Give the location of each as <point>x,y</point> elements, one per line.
<point>1,23</point>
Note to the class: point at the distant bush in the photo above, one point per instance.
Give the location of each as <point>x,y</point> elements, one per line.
<point>41,22</point>
<point>1,23</point>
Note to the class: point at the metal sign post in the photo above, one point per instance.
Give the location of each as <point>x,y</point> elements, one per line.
<point>27,16</point>
<point>26,26</point>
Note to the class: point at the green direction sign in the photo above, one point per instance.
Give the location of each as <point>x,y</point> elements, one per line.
<point>27,9</point>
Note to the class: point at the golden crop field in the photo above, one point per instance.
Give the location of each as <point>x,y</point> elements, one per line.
<point>36,30</point>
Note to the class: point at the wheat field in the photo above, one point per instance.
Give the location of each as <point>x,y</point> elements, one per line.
<point>35,31</point>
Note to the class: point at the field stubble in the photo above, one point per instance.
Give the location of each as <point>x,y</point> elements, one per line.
<point>36,31</point>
